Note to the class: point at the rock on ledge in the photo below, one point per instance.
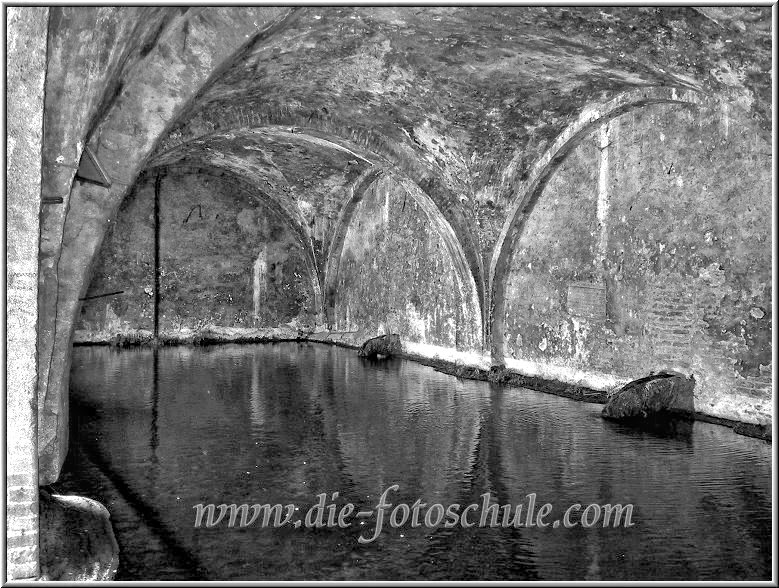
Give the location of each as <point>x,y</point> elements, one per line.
<point>384,345</point>
<point>666,393</point>
<point>77,541</point>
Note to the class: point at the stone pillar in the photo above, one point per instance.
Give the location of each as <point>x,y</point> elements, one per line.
<point>25,74</point>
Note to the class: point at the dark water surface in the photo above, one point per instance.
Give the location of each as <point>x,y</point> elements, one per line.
<point>155,433</point>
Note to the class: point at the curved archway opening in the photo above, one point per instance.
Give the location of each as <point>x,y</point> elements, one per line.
<point>395,267</point>
<point>366,148</point>
<point>529,191</point>
<point>271,200</point>
<point>329,213</point>
<point>228,259</point>
<point>629,260</point>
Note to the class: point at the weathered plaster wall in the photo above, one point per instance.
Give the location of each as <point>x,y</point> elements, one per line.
<point>308,177</point>
<point>226,259</point>
<point>397,276</point>
<point>26,59</point>
<point>650,249</point>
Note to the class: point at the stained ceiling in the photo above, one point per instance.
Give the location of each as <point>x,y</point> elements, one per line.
<point>468,98</point>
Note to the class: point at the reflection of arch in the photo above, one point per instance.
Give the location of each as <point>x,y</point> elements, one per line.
<point>290,216</point>
<point>528,193</point>
<point>465,280</point>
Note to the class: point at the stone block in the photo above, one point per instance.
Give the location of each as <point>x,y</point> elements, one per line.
<point>77,541</point>
<point>664,394</point>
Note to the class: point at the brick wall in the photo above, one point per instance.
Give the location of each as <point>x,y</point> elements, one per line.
<point>669,209</point>
<point>26,62</point>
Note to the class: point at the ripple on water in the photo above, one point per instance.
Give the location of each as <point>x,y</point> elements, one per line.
<point>153,435</point>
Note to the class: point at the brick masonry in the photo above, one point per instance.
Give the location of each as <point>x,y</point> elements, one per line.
<point>687,282</point>
<point>26,61</point>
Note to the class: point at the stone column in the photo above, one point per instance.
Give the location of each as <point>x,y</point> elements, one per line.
<point>25,74</point>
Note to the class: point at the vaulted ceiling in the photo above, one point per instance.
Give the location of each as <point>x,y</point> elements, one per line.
<point>463,99</point>
<point>470,87</point>
<point>460,106</point>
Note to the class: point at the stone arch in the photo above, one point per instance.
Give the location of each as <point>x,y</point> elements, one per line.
<point>440,225</point>
<point>290,217</point>
<point>153,86</point>
<point>369,143</point>
<point>529,191</point>
<point>175,156</point>
<point>335,247</point>
<point>384,160</point>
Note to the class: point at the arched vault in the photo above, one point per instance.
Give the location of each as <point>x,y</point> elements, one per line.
<point>527,192</point>
<point>460,104</point>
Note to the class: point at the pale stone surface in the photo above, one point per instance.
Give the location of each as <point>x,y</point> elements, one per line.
<point>26,67</point>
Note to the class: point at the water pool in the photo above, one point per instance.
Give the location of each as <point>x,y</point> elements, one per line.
<point>154,433</point>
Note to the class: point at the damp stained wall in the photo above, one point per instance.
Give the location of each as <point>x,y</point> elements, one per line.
<point>226,259</point>
<point>397,276</point>
<point>650,249</point>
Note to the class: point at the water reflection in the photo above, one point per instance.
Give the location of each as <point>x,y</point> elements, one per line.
<point>154,433</point>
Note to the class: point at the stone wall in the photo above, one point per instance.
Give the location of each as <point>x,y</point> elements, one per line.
<point>26,63</point>
<point>226,259</point>
<point>128,82</point>
<point>397,276</point>
<point>650,249</point>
